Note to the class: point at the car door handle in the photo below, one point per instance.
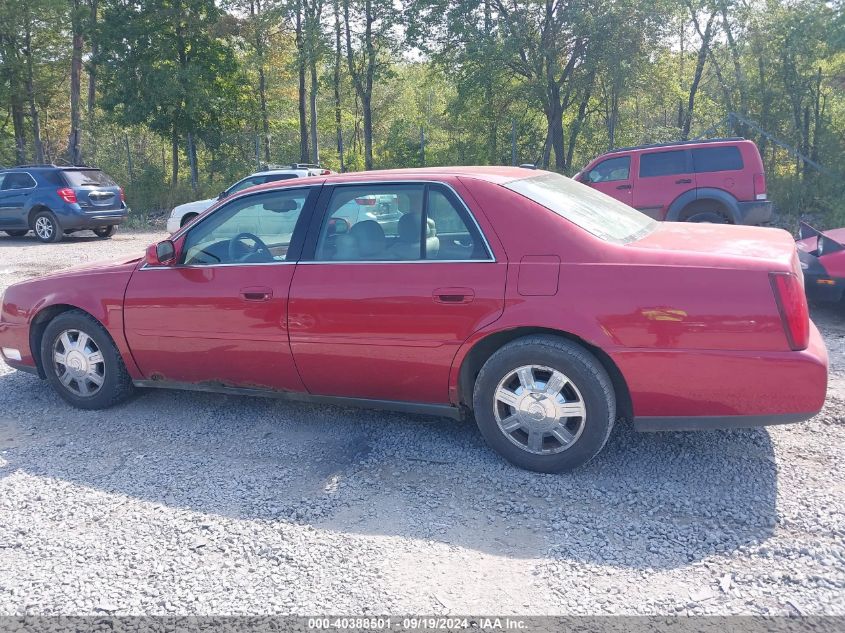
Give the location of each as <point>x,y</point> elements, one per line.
<point>683,181</point>
<point>623,187</point>
<point>256,293</point>
<point>453,295</point>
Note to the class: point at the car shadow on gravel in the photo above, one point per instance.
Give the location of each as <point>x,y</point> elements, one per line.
<point>648,501</point>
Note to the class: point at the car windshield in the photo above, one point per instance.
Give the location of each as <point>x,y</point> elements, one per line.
<point>87,178</point>
<point>592,210</point>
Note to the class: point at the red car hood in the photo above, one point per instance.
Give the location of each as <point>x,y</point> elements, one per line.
<point>107,266</point>
<point>723,245</point>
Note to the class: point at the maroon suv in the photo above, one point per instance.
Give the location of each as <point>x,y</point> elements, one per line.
<point>720,180</point>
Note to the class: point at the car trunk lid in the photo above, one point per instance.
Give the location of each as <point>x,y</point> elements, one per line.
<point>95,191</point>
<point>721,245</point>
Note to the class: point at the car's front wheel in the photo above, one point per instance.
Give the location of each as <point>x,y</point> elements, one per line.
<point>544,403</point>
<point>46,227</point>
<point>82,363</point>
<point>189,217</point>
<point>106,231</point>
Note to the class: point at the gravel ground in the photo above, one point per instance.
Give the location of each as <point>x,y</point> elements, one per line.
<point>181,503</point>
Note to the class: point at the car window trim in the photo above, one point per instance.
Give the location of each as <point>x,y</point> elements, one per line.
<point>302,224</point>
<point>320,217</point>
<point>34,181</point>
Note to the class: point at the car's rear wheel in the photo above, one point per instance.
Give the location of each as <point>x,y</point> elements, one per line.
<point>82,363</point>
<point>189,217</point>
<point>707,217</point>
<point>544,403</point>
<point>46,227</point>
<point>20,233</point>
<point>106,231</point>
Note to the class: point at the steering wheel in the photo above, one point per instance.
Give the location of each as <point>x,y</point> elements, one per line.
<point>259,247</point>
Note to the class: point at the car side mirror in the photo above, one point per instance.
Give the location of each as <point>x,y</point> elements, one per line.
<point>161,254</point>
<point>594,176</point>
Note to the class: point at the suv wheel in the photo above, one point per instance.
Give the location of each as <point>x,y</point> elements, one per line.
<point>46,227</point>
<point>106,231</point>
<point>187,218</point>
<point>20,233</point>
<point>544,403</point>
<point>710,217</point>
<point>82,363</point>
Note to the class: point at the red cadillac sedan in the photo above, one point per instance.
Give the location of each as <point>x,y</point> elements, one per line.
<point>545,309</point>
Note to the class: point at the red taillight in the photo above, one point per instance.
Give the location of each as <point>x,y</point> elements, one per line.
<point>366,202</point>
<point>792,305</point>
<point>760,186</point>
<point>122,195</point>
<point>326,172</point>
<point>67,194</point>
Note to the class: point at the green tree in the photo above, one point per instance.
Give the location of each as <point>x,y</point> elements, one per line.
<point>162,63</point>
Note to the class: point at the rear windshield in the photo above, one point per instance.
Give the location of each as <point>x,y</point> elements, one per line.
<point>87,177</point>
<point>592,210</point>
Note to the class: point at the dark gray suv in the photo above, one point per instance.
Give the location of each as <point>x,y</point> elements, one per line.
<point>54,201</point>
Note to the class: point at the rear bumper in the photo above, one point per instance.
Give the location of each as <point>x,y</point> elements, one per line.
<point>690,389</point>
<point>91,219</point>
<point>755,212</point>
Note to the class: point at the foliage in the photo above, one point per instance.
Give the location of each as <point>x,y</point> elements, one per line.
<point>228,85</point>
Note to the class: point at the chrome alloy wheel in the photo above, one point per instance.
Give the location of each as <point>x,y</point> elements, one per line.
<point>539,409</point>
<point>44,228</point>
<point>78,363</point>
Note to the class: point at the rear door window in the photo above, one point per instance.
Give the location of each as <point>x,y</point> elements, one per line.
<point>664,164</point>
<point>717,159</point>
<point>17,181</point>
<point>87,178</point>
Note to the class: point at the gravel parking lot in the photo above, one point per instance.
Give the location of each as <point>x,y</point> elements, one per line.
<point>183,503</point>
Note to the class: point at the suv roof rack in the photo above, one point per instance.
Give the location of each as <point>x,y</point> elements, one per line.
<point>672,144</point>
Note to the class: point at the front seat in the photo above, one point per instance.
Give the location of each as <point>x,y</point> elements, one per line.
<point>407,245</point>
<point>368,240</point>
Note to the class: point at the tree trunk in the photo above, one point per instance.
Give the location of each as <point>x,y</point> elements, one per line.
<point>575,129</point>
<point>313,108</point>
<point>336,80</point>
<point>366,102</point>
<point>74,140</point>
<point>192,161</point>
<point>174,157</point>
<point>368,132</point>
<point>492,127</point>
<point>696,80</point>
<point>303,122</point>
<point>255,10</point>
<point>18,121</point>
<point>92,66</point>
<point>30,90</point>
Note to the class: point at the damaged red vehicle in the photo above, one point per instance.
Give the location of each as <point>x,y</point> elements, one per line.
<point>822,255</point>
<point>546,309</point>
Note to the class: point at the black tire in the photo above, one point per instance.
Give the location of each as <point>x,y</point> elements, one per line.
<point>106,231</point>
<point>592,386</point>
<point>116,384</point>
<point>708,217</point>
<point>188,217</point>
<point>20,233</point>
<point>47,228</point>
